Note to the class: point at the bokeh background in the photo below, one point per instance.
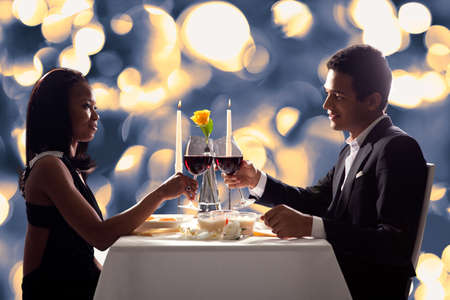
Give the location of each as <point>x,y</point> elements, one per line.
<point>142,57</point>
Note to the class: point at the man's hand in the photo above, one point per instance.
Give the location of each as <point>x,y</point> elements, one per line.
<point>287,222</point>
<point>246,176</point>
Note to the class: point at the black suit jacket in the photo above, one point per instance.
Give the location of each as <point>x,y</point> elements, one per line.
<point>372,223</point>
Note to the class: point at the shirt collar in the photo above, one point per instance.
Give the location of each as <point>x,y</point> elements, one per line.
<point>357,142</point>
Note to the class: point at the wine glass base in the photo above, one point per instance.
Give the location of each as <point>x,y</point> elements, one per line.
<point>189,206</point>
<point>244,203</point>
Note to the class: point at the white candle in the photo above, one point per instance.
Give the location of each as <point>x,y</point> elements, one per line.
<point>178,155</point>
<point>229,130</point>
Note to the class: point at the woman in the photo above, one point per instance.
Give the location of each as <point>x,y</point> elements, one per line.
<point>64,220</point>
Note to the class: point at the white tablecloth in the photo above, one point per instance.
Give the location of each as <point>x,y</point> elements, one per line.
<point>139,267</point>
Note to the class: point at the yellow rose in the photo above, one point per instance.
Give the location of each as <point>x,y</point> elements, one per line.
<point>201,117</point>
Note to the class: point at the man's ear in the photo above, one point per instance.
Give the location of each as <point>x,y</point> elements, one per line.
<point>374,101</point>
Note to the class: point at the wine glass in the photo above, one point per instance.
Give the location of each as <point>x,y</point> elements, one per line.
<point>229,163</point>
<point>197,159</point>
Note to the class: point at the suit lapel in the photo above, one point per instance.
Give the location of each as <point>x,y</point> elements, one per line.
<point>337,181</point>
<point>339,174</point>
<point>363,153</point>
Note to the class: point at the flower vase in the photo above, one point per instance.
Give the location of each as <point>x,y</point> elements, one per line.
<point>209,194</point>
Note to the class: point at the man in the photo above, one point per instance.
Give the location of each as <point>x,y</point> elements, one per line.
<point>368,205</point>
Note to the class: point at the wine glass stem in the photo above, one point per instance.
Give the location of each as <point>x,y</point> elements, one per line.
<point>242,197</point>
<point>196,195</point>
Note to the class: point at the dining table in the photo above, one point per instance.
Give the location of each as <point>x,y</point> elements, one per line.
<point>171,266</point>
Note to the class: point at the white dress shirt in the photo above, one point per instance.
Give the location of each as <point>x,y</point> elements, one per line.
<point>318,230</point>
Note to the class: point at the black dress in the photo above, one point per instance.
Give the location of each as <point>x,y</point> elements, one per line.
<point>67,269</point>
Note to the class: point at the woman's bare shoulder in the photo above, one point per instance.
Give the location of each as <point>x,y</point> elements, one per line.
<point>45,171</point>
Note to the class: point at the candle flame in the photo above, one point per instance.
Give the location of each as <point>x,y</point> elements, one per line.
<point>229,103</point>
<point>179,104</point>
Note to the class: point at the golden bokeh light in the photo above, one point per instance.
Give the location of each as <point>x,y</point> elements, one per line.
<point>15,279</point>
<point>178,83</point>
<point>164,55</point>
<point>386,36</point>
<point>152,96</point>
<point>286,118</point>
<point>405,40</point>
<point>121,24</point>
<point>56,28</point>
<point>129,79</point>
<point>4,209</point>
<point>30,12</point>
<point>439,49</point>
<point>405,90</point>
<point>19,134</point>
<point>270,168</point>
<point>129,100</point>
<point>6,66</point>
<point>368,13</point>
<point>446,259</point>
<point>437,192</point>
<point>160,164</point>
<point>216,32</point>
<point>294,17</point>
<point>438,58</point>
<point>261,134</point>
<point>131,159</point>
<point>89,39</point>
<point>148,98</point>
<point>429,267</point>
<point>73,7</point>
<point>322,69</point>
<point>103,196</point>
<point>252,149</point>
<point>433,86</point>
<point>27,74</point>
<point>340,16</point>
<point>414,17</point>
<point>430,291</point>
<point>6,11</point>
<point>8,187</point>
<point>106,97</point>
<point>437,34</point>
<point>83,18</point>
<point>70,58</point>
<point>294,166</point>
<point>256,59</point>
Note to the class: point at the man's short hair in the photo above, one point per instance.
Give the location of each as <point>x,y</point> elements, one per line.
<point>368,68</point>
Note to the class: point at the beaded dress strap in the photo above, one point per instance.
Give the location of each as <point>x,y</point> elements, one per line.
<point>58,154</point>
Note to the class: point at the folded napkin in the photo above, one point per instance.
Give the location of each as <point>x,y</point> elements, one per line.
<point>155,231</point>
<point>264,233</point>
<point>260,229</point>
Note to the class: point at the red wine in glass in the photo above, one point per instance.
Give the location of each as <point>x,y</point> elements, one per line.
<point>228,164</point>
<point>197,164</point>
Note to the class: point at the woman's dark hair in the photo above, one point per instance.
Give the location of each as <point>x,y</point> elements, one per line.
<point>48,125</point>
<point>368,68</point>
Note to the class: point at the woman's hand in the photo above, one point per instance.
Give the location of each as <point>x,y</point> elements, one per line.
<point>177,185</point>
<point>247,176</point>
